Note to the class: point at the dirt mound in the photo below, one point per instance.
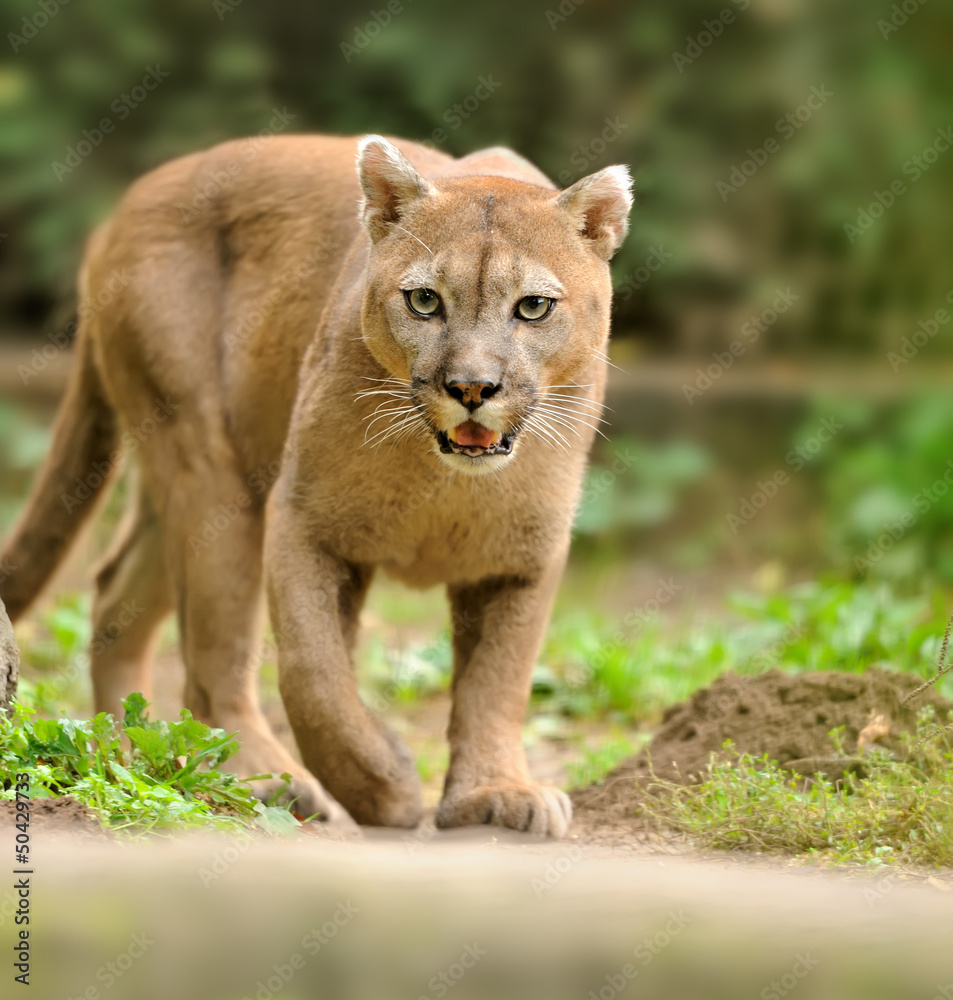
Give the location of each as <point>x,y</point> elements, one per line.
<point>61,817</point>
<point>786,716</point>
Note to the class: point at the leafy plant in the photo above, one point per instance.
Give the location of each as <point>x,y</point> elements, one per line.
<point>167,777</point>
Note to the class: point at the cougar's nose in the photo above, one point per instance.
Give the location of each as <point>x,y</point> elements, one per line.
<point>471,394</point>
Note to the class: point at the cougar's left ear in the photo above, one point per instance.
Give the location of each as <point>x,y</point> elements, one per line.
<point>389,182</point>
<point>600,205</point>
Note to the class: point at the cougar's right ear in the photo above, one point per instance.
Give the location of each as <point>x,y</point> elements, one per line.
<point>389,182</point>
<point>599,205</point>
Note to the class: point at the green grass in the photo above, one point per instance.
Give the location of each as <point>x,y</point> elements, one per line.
<point>597,762</point>
<point>393,675</point>
<point>432,762</point>
<point>899,812</point>
<point>165,776</point>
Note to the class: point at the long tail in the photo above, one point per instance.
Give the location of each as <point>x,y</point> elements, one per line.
<point>74,472</point>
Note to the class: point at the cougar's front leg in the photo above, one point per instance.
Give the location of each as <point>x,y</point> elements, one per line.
<point>498,628</point>
<point>314,598</point>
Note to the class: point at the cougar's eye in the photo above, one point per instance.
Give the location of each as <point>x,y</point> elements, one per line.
<point>534,307</point>
<point>423,301</point>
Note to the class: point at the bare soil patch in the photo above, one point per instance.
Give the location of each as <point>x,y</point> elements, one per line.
<point>55,819</point>
<point>786,717</point>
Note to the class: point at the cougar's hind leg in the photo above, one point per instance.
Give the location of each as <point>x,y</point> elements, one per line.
<point>133,597</point>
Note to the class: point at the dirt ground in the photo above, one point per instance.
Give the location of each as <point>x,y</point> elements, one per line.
<point>56,819</point>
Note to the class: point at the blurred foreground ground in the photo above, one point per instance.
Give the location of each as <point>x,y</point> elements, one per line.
<point>466,915</point>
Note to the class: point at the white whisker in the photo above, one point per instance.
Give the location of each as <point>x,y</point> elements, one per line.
<point>396,393</point>
<point>546,428</point>
<point>395,408</point>
<point>404,420</point>
<point>389,417</point>
<point>414,428</point>
<point>398,381</point>
<point>568,419</point>
<point>561,408</point>
<point>420,241</point>
<point>575,401</point>
<point>603,357</point>
<point>554,418</point>
<point>381,436</point>
<point>391,414</point>
<point>543,435</point>
<point>564,423</point>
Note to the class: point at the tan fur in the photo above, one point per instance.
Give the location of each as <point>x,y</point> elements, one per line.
<point>264,354</point>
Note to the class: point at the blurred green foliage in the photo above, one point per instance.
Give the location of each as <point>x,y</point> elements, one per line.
<point>633,669</point>
<point>637,485</point>
<point>874,500</point>
<point>886,484</point>
<point>23,443</point>
<point>610,82</point>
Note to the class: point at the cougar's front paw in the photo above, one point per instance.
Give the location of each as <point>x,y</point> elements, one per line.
<point>380,787</point>
<point>397,806</point>
<point>529,808</point>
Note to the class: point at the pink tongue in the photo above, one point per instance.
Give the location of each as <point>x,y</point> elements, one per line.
<point>473,435</point>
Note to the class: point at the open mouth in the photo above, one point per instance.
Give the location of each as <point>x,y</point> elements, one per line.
<point>474,440</point>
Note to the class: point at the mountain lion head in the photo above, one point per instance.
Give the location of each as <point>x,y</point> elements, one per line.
<point>486,300</point>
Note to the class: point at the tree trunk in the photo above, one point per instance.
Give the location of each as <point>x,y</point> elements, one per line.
<point>9,661</point>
